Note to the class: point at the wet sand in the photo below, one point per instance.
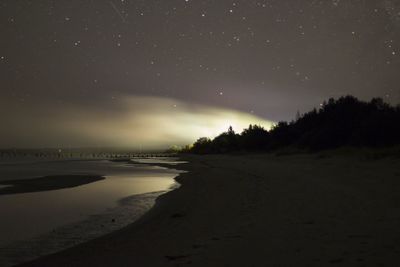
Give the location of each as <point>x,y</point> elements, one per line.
<point>46,183</point>
<point>261,210</point>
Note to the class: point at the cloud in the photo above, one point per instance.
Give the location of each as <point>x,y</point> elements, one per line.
<point>131,122</point>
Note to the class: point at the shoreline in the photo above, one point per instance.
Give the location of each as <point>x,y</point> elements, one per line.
<point>73,234</point>
<point>125,211</point>
<point>159,203</point>
<point>259,210</point>
<point>46,183</point>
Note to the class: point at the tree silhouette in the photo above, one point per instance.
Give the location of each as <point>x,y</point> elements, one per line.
<point>346,121</point>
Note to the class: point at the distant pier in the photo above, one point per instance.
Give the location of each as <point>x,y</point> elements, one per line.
<point>67,154</point>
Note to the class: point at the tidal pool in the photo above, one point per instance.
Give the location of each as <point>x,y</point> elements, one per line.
<point>73,215</point>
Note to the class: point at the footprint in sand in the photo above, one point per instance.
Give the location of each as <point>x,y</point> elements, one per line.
<point>178,215</point>
<point>198,246</point>
<point>176,257</point>
<point>336,260</point>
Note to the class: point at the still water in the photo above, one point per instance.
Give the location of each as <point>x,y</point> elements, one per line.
<point>73,215</point>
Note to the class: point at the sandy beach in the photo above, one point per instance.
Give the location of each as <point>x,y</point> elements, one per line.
<point>261,210</point>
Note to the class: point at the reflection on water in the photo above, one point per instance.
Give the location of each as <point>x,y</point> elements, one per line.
<point>163,160</point>
<point>28,215</point>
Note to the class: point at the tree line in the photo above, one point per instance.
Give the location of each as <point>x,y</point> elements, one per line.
<point>346,121</point>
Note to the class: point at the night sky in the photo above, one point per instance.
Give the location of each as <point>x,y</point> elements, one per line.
<point>66,63</point>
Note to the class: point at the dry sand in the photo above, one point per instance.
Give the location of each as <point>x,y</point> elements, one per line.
<point>262,210</point>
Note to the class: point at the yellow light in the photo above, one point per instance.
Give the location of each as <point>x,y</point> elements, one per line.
<point>148,122</point>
